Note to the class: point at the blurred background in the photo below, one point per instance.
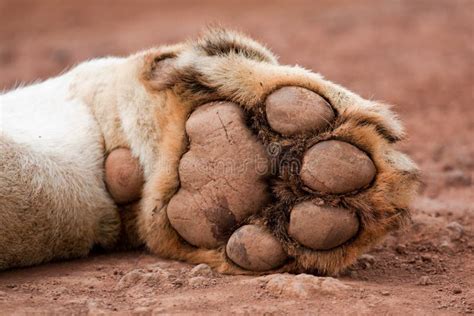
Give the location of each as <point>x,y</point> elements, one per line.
<point>416,54</point>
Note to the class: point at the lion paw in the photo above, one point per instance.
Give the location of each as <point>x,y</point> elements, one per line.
<point>284,171</point>
<point>290,183</point>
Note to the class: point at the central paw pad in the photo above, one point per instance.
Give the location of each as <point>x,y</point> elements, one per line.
<point>222,176</point>
<point>227,180</point>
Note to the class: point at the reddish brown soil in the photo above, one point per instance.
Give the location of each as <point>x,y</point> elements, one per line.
<point>418,55</point>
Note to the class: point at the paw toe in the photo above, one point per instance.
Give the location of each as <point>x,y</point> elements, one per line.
<point>295,110</point>
<point>336,167</point>
<point>321,228</point>
<point>123,176</point>
<point>255,249</point>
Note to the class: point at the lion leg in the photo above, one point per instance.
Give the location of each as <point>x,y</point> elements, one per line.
<point>50,208</point>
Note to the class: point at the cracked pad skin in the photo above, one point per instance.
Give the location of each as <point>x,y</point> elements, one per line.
<point>222,176</point>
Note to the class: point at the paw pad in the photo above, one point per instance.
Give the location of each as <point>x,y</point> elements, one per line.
<point>294,110</point>
<point>336,167</point>
<point>322,228</point>
<point>230,194</point>
<point>123,176</point>
<point>221,176</point>
<point>253,248</point>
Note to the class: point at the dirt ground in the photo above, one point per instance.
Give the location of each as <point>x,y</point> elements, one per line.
<point>418,55</point>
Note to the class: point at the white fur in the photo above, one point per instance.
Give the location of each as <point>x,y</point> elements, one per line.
<point>45,117</point>
<point>54,202</point>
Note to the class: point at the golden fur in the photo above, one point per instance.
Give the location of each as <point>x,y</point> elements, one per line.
<point>143,102</point>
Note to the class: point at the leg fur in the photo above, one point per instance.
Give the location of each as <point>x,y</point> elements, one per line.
<point>50,208</point>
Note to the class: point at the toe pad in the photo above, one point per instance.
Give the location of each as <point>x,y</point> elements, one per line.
<point>124,176</point>
<point>322,228</point>
<point>295,110</point>
<point>336,167</point>
<point>253,248</point>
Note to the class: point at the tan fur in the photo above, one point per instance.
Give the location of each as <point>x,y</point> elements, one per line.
<point>143,103</point>
<point>43,215</point>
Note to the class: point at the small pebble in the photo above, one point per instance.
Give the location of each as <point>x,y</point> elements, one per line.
<point>457,290</point>
<point>368,258</point>
<point>424,280</point>
<point>401,249</point>
<point>198,281</point>
<point>201,270</point>
<point>447,247</point>
<point>456,230</point>
<point>457,178</point>
<point>426,258</point>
